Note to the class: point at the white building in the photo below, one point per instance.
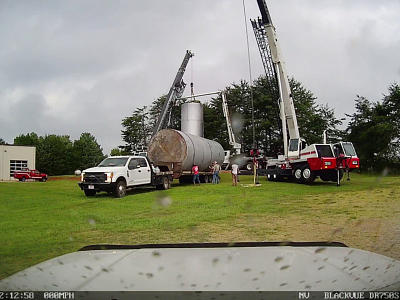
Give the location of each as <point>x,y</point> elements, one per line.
<point>14,158</point>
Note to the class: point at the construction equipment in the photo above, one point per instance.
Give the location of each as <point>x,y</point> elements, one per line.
<point>231,134</point>
<point>175,92</point>
<point>300,161</point>
<point>178,151</point>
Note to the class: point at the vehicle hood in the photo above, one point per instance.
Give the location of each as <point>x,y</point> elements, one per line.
<point>104,169</point>
<point>276,268</point>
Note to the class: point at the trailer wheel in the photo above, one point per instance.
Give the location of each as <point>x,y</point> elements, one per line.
<point>249,166</point>
<point>308,175</point>
<point>269,177</point>
<point>298,175</point>
<point>120,189</point>
<point>164,184</point>
<point>89,193</point>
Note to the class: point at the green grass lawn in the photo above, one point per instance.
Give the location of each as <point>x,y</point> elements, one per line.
<point>39,221</point>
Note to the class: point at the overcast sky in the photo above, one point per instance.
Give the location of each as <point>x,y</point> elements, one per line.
<point>68,67</point>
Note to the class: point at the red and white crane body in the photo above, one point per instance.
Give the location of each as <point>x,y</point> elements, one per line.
<point>300,161</point>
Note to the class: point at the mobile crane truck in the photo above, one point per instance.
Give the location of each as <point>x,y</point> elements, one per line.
<point>300,161</point>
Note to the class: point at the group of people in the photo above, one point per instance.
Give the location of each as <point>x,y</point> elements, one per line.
<point>216,168</point>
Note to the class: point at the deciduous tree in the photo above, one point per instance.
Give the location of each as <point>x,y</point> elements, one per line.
<point>86,152</point>
<point>136,130</point>
<point>375,132</point>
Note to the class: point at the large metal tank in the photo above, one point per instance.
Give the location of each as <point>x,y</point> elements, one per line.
<point>180,151</point>
<point>192,118</point>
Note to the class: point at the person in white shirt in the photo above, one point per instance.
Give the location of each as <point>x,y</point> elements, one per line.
<point>235,172</point>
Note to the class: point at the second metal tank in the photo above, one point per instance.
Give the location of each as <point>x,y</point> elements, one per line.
<point>180,151</point>
<point>192,118</point>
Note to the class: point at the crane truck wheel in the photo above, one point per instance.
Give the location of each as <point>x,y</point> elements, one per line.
<point>324,177</point>
<point>298,175</point>
<point>308,175</point>
<point>334,176</point>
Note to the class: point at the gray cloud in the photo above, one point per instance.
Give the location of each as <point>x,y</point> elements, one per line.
<point>75,66</point>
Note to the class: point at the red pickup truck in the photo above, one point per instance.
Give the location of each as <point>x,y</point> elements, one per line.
<point>25,174</point>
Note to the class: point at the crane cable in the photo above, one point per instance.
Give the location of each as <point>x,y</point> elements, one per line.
<point>250,75</point>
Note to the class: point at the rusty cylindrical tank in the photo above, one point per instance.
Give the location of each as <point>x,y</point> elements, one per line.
<point>180,151</point>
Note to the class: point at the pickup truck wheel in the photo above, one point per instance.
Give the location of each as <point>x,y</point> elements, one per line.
<point>120,189</point>
<point>89,193</point>
<point>23,179</point>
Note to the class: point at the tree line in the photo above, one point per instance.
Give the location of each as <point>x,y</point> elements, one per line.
<point>58,155</point>
<point>374,127</point>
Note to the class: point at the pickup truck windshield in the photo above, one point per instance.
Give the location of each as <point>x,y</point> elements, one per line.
<point>114,162</point>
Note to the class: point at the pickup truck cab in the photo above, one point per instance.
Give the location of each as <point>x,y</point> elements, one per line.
<point>26,174</point>
<point>116,174</point>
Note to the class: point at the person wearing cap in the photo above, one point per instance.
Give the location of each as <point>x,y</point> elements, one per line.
<point>216,169</point>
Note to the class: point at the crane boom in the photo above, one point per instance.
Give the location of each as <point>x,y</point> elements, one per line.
<point>287,111</point>
<point>301,162</point>
<point>175,92</point>
<point>231,134</point>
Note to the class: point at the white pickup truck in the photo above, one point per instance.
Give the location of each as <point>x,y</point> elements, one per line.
<point>116,174</point>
